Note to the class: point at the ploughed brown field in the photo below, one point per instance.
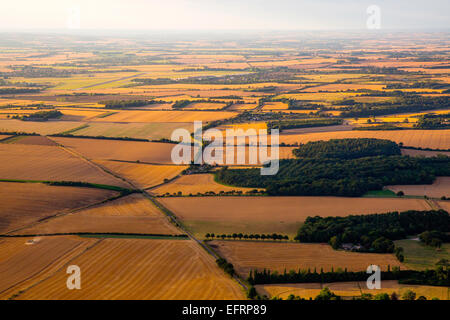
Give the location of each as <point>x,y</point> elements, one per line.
<point>439,188</point>
<point>49,163</point>
<point>142,269</point>
<point>350,289</point>
<point>34,140</point>
<point>22,204</point>
<point>274,214</point>
<point>130,214</point>
<point>151,152</point>
<point>257,255</point>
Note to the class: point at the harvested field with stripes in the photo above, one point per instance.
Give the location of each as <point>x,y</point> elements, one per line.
<point>140,174</point>
<point>25,261</point>
<point>40,127</point>
<point>274,214</point>
<point>142,269</point>
<point>166,116</point>
<point>49,163</point>
<point>130,214</point>
<point>257,255</point>
<point>100,149</point>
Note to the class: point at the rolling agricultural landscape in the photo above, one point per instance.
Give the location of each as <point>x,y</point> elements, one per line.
<point>358,133</point>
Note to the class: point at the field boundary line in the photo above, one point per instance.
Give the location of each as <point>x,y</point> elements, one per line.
<point>163,183</point>
<point>61,214</point>
<point>93,164</point>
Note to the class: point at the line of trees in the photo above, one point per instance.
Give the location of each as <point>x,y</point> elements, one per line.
<point>225,266</point>
<point>240,236</point>
<point>303,123</point>
<point>19,90</point>
<point>347,148</point>
<point>40,116</point>
<point>440,276</point>
<point>124,104</point>
<point>407,103</point>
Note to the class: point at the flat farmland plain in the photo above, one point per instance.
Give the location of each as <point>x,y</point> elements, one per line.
<point>24,261</point>
<point>274,214</point>
<point>49,163</point>
<point>434,139</point>
<point>142,269</point>
<point>251,255</point>
<point>25,203</point>
<point>130,214</point>
<point>140,174</point>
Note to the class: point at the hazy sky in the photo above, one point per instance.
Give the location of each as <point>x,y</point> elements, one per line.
<point>220,14</point>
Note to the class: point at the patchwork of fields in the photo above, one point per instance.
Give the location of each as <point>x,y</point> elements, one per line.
<point>87,175</point>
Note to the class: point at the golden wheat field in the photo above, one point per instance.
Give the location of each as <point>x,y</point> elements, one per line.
<point>439,188</point>
<point>25,261</point>
<point>140,174</point>
<point>274,214</point>
<point>25,203</point>
<point>204,106</point>
<point>251,255</point>
<point>275,106</point>
<point>47,127</point>
<point>165,116</point>
<point>193,184</point>
<point>130,214</point>
<point>142,269</point>
<point>152,130</point>
<point>350,289</point>
<point>434,139</point>
<point>150,152</point>
<point>49,163</point>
